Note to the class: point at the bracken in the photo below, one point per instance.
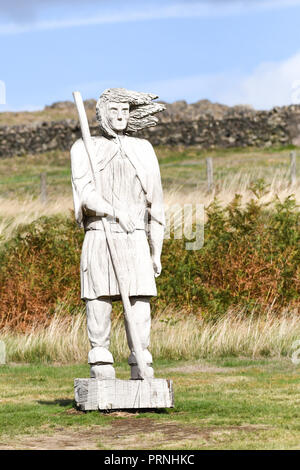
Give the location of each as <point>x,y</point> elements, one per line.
<point>250,260</point>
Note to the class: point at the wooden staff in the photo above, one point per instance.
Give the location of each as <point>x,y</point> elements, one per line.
<point>121,278</point>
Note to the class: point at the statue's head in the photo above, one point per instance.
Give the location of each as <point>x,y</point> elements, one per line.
<point>123,111</point>
<point>117,115</point>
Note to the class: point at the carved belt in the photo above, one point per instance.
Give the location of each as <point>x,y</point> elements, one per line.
<point>96,224</point>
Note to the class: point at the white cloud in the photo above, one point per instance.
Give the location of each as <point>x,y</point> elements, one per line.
<point>149,11</point>
<point>269,84</point>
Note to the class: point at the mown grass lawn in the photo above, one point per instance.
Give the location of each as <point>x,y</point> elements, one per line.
<point>229,403</point>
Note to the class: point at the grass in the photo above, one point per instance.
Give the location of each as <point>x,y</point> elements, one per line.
<point>183,174</point>
<point>225,403</point>
<point>174,336</point>
<point>20,176</point>
<point>233,168</point>
<point>235,384</point>
<point>44,115</point>
<point>182,170</point>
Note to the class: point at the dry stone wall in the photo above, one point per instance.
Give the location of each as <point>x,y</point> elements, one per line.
<point>233,127</point>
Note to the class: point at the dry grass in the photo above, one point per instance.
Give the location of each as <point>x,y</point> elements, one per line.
<point>235,184</point>
<point>14,212</point>
<point>20,118</point>
<point>173,336</point>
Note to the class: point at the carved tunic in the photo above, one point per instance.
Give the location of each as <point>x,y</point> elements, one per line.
<point>121,187</point>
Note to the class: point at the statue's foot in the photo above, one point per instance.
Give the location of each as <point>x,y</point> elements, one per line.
<point>100,356</point>
<point>103,372</point>
<point>135,372</point>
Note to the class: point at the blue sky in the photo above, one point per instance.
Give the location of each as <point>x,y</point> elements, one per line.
<point>230,51</point>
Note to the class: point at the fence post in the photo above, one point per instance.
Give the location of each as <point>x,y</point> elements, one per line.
<point>210,174</point>
<point>43,187</point>
<point>293,168</point>
<point>2,353</point>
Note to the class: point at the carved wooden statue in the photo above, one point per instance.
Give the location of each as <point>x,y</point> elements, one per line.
<point>122,185</point>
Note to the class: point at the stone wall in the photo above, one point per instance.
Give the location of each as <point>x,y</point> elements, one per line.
<point>235,128</point>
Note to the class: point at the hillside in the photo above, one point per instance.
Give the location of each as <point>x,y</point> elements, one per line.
<point>177,111</point>
<point>204,125</point>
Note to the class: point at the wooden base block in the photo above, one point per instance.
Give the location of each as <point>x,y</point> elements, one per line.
<point>115,394</point>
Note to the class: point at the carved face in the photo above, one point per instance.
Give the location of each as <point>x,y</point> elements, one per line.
<point>118,115</point>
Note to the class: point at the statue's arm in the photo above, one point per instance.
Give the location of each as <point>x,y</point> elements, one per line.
<point>86,200</point>
<point>94,204</point>
<point>156,211</point>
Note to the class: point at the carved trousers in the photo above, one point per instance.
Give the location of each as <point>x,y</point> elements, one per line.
<point>98,312</point>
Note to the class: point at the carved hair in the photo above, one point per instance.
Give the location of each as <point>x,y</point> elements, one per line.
<point>141,109</point>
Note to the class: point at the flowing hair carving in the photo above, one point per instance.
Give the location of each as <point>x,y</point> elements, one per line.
<point>141,109</point>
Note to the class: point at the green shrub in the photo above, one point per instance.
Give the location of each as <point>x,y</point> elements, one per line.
<point>39,270</point>
<point>250,259</point>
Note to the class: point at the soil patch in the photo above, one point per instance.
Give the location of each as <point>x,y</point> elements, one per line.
<point>192,368</point>
<point>123,433</point>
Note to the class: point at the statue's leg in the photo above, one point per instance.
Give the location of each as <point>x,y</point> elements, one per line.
<point>141,313</point>
<point>98,313</point>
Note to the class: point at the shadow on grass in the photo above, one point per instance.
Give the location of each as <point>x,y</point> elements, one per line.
<point>118,412</point>
<point>136,411</point>
<point>60,402</point>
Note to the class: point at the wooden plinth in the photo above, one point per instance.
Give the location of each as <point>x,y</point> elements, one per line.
<point>115,394</point>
